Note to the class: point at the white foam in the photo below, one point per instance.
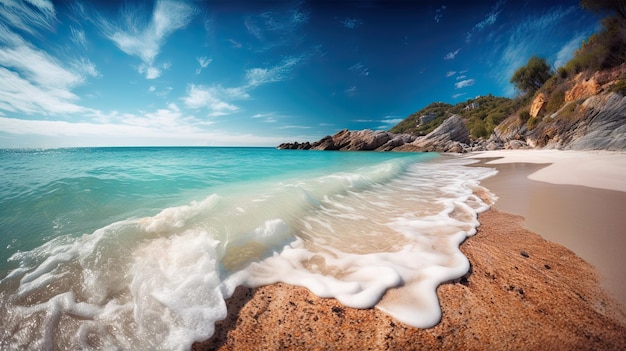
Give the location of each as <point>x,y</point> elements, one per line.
<point>428,257</point>
<point>162,281</point>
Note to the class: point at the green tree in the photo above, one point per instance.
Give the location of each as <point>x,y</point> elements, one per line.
<point>531,77</point>
<point>600,6</point>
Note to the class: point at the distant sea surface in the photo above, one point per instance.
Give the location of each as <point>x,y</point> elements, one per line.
<point>138,248</point>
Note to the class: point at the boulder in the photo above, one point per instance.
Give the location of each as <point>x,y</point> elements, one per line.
<point>443,137</point>
<point>515,145</point>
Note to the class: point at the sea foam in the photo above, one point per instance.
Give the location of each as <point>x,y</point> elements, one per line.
<point>161,282</point>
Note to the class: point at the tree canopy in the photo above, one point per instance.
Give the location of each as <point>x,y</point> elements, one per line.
<point>530,78</point>
<point>599,6</point>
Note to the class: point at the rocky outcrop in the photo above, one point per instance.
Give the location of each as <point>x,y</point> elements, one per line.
<point>606,126</point>
<point>591,118</point>
<point>599,123</point>
<point>451,136</point>
<point>360,140</point>
<point>583,90</point>
<point>537,106</point>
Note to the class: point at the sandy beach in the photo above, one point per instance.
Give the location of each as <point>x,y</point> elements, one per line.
<point>573,198</point>
<point>545,275</point>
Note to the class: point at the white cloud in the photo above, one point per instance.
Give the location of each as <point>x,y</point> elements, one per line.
<point>359,68</point>
<point>21,95</point>
<point>86,67</point>
<point>456,96</point>
<point>216,98</point>
<point>465,83</point>
<point>162,127</point>
<point>20,15</point>
<point>392,120</point>
<point>461,77</point>
<point>450,73</point>
<point>351,91</point>
<point>77,36</point>
<point>145,41</point>
<point>32,81</point>
<point>452,55</point>
<point>439,13</point>
<point>266,117</point>
<point>203,62</point>
<point>294,127</point>
<point>259,76</point>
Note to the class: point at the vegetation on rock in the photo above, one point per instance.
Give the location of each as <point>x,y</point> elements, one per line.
<point>532,76</point>
<point>563,90</point>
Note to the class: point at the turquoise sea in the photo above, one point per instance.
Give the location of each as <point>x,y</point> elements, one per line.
<point>138,248</point>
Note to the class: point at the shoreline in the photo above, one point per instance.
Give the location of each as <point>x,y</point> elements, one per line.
<point>526,293</point>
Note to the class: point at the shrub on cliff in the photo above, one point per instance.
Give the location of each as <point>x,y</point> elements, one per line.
<point>532,76</point>
<point>602,50</point>
<point>438,111</point>
<point>619,87</point>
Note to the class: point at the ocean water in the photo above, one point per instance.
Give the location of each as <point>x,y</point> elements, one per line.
<point>138,248</point>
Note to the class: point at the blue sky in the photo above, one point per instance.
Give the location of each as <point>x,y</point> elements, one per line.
<point>257,73</point>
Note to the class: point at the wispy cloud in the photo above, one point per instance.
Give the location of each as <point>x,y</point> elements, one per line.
<point>439,13</point>
<point>165,126</point>
<point>490,19</point>
<point>351,91</point>
<point>360,69</point>
<point>234,43</point>
<point>32,81</point>
<point>259,76</point>
<point>451,55</point>
<point>216,98</point>
<point>392,120</point>
<point>351,23</point>
<point>456,96</point>
<point>85,67</point>
<point>27,15</point>
<point>266,117</point>
<point>77,36</point>
<point>450,73</point>
<point>203,62</point>
<point>567,51</point>
<point>145,40</point>
<point>520,43</point>
<point>276,28</point>
<point>465,83</point>
<point>294,127</point>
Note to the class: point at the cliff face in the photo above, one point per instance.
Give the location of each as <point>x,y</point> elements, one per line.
<point>590,116</point>
<point>599,123</point>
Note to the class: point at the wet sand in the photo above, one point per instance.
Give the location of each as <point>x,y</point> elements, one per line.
<point>523,291</point>
<point>591,222</point>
